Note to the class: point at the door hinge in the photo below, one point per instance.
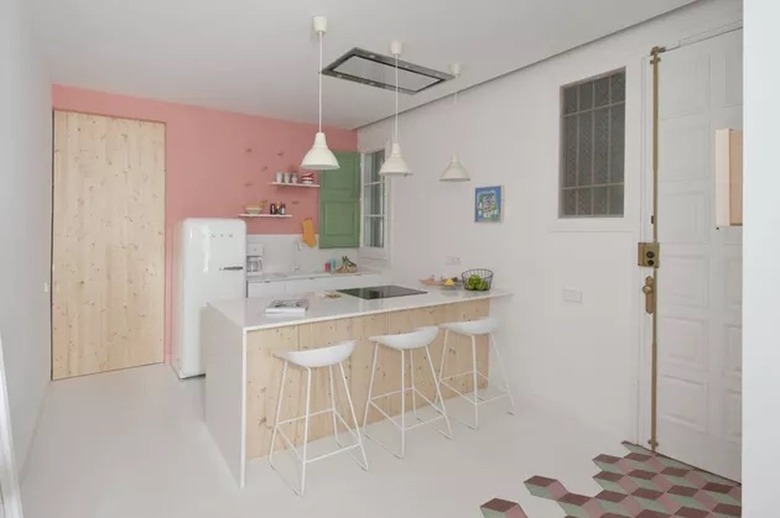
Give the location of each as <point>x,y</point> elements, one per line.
<point>649,254</point>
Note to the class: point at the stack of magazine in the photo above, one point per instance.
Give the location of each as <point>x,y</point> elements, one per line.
<point>287,307</point>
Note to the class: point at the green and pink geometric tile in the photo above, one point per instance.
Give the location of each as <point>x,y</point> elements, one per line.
<point>642,484</point>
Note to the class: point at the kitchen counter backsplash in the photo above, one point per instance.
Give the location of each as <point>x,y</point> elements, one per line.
<point>285,253</point>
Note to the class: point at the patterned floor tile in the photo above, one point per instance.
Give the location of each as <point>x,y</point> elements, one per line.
<point>643,484</point>
<point>498,508</point>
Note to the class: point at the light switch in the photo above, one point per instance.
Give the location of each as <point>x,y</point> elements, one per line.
<point>572,295</point>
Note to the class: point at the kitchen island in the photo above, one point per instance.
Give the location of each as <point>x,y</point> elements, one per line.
<point>242,376</point>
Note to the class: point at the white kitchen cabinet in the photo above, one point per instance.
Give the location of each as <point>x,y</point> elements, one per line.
<point>266,289</point>
<point>276,287</point>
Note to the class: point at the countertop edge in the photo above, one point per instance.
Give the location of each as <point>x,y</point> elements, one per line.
<point>428,304</point>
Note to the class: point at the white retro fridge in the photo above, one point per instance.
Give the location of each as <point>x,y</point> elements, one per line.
<point>209,261</point>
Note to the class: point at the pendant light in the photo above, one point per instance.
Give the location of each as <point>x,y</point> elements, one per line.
<point>319,157</point>
<point>395,165</point>
<point>455,172</point>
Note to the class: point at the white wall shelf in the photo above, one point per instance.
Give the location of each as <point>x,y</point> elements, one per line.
<point>265,215</point>
<point>307,186</point>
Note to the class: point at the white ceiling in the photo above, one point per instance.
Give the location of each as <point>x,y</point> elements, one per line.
<point>260,56</point>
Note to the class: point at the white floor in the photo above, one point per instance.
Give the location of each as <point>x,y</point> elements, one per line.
<point>132,444</point>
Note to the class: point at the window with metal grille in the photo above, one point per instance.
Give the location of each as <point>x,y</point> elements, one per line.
<point>593,147</point>
<point>374,201</point>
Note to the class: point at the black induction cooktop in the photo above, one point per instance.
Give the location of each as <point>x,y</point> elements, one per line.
<point>380,292</point>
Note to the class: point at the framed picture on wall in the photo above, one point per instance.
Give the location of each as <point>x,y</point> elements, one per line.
<point>488,204</point>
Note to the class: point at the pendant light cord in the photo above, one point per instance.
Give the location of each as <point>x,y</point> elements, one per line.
<point>396,98</point>
<point>319,77</point>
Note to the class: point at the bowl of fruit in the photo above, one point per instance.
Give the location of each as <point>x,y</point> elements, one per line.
<point>479,279</point>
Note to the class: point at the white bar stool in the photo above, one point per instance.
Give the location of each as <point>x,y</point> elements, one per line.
<point>421,338</point>
<point>475,328</point>
<point>312,359</point>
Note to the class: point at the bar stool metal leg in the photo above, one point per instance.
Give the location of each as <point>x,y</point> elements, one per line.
<point>403,405</point>
<point>475,380</point>
<point>278,414</point>
<point>509,396</point>
<point>333,406</point>
<point>358,437</point>
<point>443,353</point>
<point>370,387</point>
<point>442,410</point>
<point>306,430</point>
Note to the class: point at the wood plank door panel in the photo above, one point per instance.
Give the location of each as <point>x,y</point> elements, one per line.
<point>108,251</point>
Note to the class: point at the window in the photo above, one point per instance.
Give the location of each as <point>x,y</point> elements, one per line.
<point>374,202</point>
<point>593,147</point>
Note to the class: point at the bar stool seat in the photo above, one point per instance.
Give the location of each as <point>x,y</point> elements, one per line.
<point>406,342</point>
<point>313,359</point>
<point>473,329</point>
<point>319,357</point>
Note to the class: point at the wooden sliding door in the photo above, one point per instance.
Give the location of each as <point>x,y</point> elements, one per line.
<point>108,244</point>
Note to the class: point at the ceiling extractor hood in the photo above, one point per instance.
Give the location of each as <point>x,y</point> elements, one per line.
<point>373,69</point>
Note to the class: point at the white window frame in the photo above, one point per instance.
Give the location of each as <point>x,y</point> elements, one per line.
<point>562,188</point>
<point>373,252</point>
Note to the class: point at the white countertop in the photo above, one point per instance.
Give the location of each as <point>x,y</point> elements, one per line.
<point>287,276</point>
<point>249,314</point>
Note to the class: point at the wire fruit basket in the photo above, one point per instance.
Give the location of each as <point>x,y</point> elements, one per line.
<point>478,279</point>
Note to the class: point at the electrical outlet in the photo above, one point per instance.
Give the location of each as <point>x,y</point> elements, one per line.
<point>572,295</point>
<point>452,261</point>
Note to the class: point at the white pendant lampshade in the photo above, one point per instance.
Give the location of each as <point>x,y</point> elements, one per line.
<point>319,157</point>
<point>395,165</point>
<point>455,172</point>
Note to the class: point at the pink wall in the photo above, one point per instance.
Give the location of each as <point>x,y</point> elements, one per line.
<point>216,162</point>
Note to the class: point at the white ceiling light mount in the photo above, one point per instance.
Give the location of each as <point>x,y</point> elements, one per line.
<point>395,165</point>
<point>319,157</point>
<point>455,172</point>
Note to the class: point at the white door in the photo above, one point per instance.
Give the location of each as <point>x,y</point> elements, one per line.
<point>700,276</point>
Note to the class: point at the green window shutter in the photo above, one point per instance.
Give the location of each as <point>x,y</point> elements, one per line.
<point>340,203</point>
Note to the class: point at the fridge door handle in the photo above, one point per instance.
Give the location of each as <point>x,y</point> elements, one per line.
<point>231,268</point>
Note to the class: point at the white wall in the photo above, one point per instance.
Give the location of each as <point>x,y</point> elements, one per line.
<point>761,285</point>
<point>578,358</point>
<point>25,218</point>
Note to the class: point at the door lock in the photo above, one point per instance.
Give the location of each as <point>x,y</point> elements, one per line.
<point>649,254</point>
<point>649,290</point>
